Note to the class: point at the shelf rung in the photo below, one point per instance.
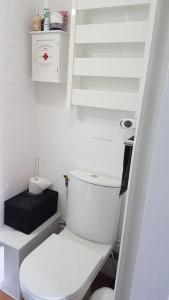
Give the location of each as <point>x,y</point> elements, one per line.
<point>92,4</point>
<point>105,99</point>
<point>106,67</point>
<point>130,32</point>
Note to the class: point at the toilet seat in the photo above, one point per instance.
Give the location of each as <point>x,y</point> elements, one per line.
<point>63,267</point>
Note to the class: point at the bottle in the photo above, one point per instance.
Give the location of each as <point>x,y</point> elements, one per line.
<point>37,21</point>
<point>42,24</point>
<point>46,17</point>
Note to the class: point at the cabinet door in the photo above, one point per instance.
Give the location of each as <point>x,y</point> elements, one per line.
<point>45,58</point>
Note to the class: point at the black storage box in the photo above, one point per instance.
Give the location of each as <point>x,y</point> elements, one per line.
<point>26,212</point>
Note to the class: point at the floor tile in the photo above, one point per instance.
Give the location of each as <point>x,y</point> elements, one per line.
<point>4,296</point>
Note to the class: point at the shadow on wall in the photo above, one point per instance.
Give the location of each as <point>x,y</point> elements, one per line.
<point>84,138</point>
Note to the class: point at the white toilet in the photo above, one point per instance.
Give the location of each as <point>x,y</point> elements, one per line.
<point>65,265</point>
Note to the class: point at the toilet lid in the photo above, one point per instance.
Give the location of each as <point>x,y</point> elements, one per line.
<point>59,268</point>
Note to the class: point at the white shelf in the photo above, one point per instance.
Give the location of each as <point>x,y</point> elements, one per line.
<point>109,67</point>
<point>48,32</point>
<point>88,4</point>
<point>110,41</point>
<point>44,80</point>
<point>17,239</point>
<point>130,32</point>
<point>105,99</point>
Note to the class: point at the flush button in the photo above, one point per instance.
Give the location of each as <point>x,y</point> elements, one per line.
<point>94,176</point>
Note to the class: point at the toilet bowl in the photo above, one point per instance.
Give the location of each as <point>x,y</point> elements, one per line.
<point>103,294</point>
<point>65,265</point>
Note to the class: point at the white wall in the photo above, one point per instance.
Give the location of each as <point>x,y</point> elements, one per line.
<point>34,120</point>
<point>152,264</point>
<point>68,139</point>
<point>17,99</point>
<point>144,269</point>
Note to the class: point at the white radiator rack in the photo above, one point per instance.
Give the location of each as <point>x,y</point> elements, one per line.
<point>110,40</point>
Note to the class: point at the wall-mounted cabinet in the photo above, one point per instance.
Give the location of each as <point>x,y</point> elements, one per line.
<point>109,52</point>
<point>49,56</point>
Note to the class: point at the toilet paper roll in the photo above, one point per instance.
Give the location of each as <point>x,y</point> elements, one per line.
<point>38,184</point>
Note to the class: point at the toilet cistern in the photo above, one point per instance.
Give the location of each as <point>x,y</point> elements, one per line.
<point>93,206</point>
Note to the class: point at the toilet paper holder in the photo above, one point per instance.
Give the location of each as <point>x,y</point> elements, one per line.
<point>128,123</point>
<point>38,184</point>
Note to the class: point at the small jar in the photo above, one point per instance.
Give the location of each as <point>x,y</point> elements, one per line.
<point>56,21</point>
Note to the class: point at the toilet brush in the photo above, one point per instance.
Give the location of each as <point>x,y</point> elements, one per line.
<point>38,184</point>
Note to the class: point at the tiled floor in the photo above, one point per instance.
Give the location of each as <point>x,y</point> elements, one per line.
<point>4,297</point>
<point>101,280</point>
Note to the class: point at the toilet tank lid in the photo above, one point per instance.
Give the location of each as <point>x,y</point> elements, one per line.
<point>97,179</point>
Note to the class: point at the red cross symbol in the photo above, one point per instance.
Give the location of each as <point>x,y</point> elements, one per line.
<point>45,56</point>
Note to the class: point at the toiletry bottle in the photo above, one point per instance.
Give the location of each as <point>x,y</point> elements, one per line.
<point>46,17</point>
<point>37,21</point>
<point>42,23</point>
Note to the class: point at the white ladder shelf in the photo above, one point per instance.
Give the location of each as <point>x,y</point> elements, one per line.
<point>88,4</point>
<point>109,40</point>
